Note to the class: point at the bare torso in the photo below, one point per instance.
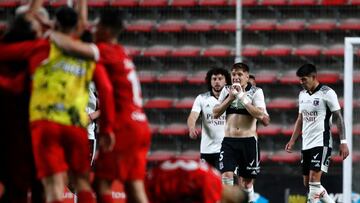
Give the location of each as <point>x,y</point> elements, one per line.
<point>238,125</point>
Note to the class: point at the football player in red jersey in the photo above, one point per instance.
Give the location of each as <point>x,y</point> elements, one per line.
<point>178,181</point>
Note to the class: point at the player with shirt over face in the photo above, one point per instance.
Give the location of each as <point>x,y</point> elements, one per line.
<point>244,105</point>
<point>212,132</point>
<point>317,103</point>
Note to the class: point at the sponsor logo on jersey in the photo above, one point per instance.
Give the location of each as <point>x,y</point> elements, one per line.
<point>309,116</point>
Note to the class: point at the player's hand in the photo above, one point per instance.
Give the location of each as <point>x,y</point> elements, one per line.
<point>193,133</point>
<point>233,93</point>
<point>289,146</point>
<point>343,151</point>
<point>107,141</point>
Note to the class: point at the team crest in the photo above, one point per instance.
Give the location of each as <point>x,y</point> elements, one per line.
<point>316,102</point>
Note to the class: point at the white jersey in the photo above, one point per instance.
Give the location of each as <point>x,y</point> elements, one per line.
<point>91,107</point>
<point>255,94</point>
<point>316,110</point>
<point>213,130</point>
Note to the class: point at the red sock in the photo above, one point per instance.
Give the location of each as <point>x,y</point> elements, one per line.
<point>106,198</point>
<point>85,197</point>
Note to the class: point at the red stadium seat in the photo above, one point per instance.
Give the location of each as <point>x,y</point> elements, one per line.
<point>157,51</point>
<point>264,156</point>
<point>183,3</point>
<point>174,129</point>
<point>158,103</point>
<point>291,25</point>
<point>274,2</point>
<point>270,130</point>
<point>171,26</point>
<point>186,51</point>
<point>153,3</point>
<point>159,156</point>
<point>98,3</point>
<point>186,103</point>
<point>200,26</point>
<point>133,51</point>
<point>139,26</point>
<point>335,50</point>
<point>356,129</point>
<point>154,129</point>
<point>124,3</point>
<point>287,130</point>
<point>277,50</point>
<point>212,2</point>
<point>244,2</point>
<point>356,77</point>
<point>322,25</point>
<point>333,2</point>
<point>9,3</point>
<point>266,77</point>
<point>146,77</point>
<point>355,2</point>
<point>58,3</point>
<point>251,51</point>
<point>189,155</point>
<point>261,25</point>
<point>289,78</point>
<point>282,103</point>
<point>2,26</point>
<point>328,77</point>
<point>197,78</point>
<point>226,26</point>
<point>217,51</point>
<point>308,50</point>
<point>303,2</point>
<point>172,77</point>
<point>285,157</point>
<point>350,24</point>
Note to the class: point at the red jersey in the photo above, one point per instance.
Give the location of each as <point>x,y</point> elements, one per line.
<point>183,181</point>
<point>37,51</point>
<point>126,85</point>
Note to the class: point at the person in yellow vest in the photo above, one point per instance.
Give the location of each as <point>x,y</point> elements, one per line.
<point>57,117</point>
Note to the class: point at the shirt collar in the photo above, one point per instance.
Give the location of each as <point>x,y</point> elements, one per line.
<point>315,90</point>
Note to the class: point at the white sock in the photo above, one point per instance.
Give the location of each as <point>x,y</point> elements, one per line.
<point>325,198</point>
<point>227,181</point>
<point>314,192</point>
<point>250,192</point>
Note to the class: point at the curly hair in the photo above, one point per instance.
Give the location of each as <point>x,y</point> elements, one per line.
<point>217,71</point>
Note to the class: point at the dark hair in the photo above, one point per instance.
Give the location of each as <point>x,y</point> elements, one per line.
<point>306,70</point>
<point>251,77</point>
<point>217,71</point>
<point>20,30</point>
<point>111,19</point>
<point>67,18</point>
<point>241,66</point>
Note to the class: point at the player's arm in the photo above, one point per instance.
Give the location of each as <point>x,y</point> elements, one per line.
<point>296,133</point>
<point>191,123</point>
<point>339,122</point>
<point>226,97</point>
<point>82,10</point>
<point>106,105</point>
<point>70,45</point>
<point>257,108</point>
<point>14,85</point>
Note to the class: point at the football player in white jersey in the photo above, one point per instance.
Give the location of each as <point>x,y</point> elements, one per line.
<point>212,132</point>
<point>93,114</point>
<point>317,103</point>
<point>244,105</point>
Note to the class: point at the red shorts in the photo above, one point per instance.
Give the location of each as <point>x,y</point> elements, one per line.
<point>58,148</point>
<point>126,163</point>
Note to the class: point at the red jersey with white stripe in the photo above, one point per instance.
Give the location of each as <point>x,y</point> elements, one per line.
<point>183,181</point>
<point>126,85</point>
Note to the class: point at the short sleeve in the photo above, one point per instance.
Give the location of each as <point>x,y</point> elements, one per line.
<point>223,94</point>
<point>332,100</point>
<point>197,104</point>
<point>299,100</point>
<point>259,100</point>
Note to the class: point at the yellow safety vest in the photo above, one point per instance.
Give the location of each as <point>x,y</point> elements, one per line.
<point>60,89</point>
